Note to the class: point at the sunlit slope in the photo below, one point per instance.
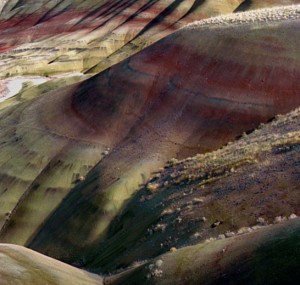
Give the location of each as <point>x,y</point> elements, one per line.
<point>189,93</point>
<point>53,37</point>
<point>257,4</point>
<point>41,163</point>
<point>26,267</point>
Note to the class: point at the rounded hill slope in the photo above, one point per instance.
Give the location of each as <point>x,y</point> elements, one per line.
<point>189,93</point>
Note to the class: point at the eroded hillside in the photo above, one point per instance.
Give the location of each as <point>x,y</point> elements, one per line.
<point>94,142</point>
<point>54,37</point>
<point>106,95</point>
<point>224,217</point>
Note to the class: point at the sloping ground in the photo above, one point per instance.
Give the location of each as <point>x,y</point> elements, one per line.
<point>22,266</point>
<point>257,4</point>
<point>64,36</point>
<point>266,256</point>
<point>215,195</point>
<point>72,160</point>
<point>249,179</point>
<point>52,37</point>
<point>143,140</point>
<point>263,254</point>
<point>189,93</point>
<point>27,87</point>
<point>214,183</point>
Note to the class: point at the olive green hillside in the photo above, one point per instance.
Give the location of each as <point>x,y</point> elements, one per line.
<point>19,265</point>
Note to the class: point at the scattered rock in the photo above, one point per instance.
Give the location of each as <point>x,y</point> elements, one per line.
<point>229,234</point>
<point>216,224</point>
<point>179,220</point>
<point>151,266</point>
<point>244,230</point>
<point>160,228</point>
<point>196,235</point>
<point>150,231</point>
<point>152,187</point>
<point>261,221</point>
<point>158,263</point>
<point>293,216</point>
<point>278,220</point>
<point>167,212</point>
<point>197,201</point>
<point>222,236</point>
<point>81,178</point>
<point>173,249</point>
<point>157,273</point>
<point>210,240</point>
<point>256,227</point>
<point>171,162</point>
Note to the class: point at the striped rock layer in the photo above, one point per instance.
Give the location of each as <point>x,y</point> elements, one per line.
<point>71,158</point>
<point>52,37</point>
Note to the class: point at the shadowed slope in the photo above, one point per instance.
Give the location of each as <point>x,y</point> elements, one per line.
<point>22,266</point>
<point>257,176</point>
<point>265,256</point>
<point>189,93</point>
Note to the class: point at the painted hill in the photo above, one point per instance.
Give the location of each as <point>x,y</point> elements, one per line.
<point>52,37</point>
<point>267,256</point>
<point>189,93</point>
<point>23,266</point>
<point>246,185</point>
<point>66,38</point>
<point>55,37</point>
<point>260,256</point>
<point>214,226</point>
<point>78,150</point>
